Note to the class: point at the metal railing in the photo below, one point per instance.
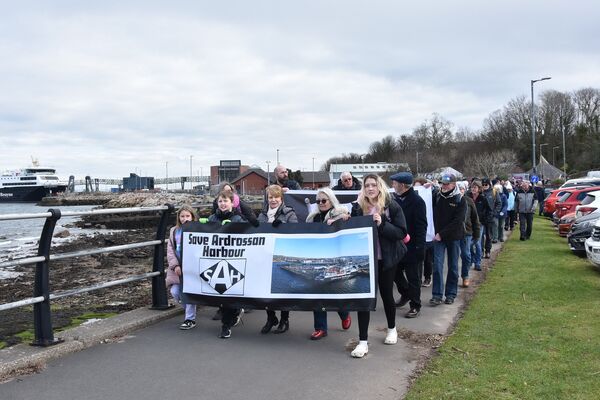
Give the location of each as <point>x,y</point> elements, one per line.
<point>42,316</point>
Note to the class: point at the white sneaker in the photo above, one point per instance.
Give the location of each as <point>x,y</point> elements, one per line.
<point>238,319</point>
<point>391,337</point>
<point>361,349</point>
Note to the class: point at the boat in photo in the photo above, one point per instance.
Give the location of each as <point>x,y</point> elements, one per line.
<point>30,184</point>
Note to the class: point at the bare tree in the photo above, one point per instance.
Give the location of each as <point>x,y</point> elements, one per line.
<point>433,133</point>
<point>587,101</point>
<point>493,164</point>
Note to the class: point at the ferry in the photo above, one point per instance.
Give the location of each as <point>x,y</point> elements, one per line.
<point>30,184</point>
<point>337,273</point>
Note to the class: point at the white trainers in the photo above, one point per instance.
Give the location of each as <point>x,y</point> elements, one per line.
<point>361,349</point>
<point>391,337</point>
<point>238,319</point>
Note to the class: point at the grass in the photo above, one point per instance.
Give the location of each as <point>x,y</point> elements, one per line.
<point>28,336</point>
<point>531,332</point>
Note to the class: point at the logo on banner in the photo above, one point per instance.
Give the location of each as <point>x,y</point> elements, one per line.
<point>223,276</point>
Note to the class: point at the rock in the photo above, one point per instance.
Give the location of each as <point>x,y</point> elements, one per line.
<point>62,234</point>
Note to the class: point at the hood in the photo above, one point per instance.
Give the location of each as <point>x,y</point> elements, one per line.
<point>453,193</point>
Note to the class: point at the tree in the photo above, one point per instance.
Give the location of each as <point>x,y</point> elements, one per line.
<point>433,133</point>
<point>493,164</point>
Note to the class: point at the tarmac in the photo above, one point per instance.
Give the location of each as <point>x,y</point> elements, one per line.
<point>142,354</point>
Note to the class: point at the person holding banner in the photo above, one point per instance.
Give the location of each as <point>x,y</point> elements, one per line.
<point>374,199</point>
<point>173,279</point>
<point>276,213</point>
<point>328,211</point>
<point>225,214</point>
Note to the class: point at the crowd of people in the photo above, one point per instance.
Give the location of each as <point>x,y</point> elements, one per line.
<point>467,217</point>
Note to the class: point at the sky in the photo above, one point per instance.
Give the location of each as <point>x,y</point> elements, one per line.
<point>113,87</point>
<point>349,244</point>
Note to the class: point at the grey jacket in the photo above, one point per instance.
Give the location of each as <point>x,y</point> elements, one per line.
<point>526,202</point>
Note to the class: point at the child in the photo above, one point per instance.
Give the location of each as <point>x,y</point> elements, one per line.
<point>184,214</point>
<point>225,213</point>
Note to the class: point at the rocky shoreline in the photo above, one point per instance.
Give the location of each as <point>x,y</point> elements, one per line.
<point>89,270</point>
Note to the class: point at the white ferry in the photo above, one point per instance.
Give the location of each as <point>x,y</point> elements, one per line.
<point>30,184</point>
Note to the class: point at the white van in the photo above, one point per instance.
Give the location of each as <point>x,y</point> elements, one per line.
<point>581,182</point>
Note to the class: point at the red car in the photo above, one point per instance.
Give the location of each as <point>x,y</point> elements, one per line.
<point>565,223</point>
<point>550,202</point>
<point>570,200</point>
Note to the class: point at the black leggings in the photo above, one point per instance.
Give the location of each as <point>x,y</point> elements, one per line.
<point>386,290</point>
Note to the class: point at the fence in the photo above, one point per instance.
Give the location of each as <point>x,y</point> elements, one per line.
<point>42,317</point>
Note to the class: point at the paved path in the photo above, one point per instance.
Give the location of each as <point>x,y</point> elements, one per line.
<point>162,362</point>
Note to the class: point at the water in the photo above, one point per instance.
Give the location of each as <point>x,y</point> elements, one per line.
<point>20,238</point>
<point>284,281</point>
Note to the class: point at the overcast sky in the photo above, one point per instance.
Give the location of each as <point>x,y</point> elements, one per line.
<point>107,88</point>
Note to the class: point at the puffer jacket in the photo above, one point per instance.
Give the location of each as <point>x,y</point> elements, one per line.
<point>390,233</point>
<point>525,202</point>
<point>284,215</point>
<point>172,260</point>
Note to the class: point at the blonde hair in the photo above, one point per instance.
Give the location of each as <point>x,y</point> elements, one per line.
<point>382,199</point>
<point>187,208</point>
<point>274,191</point>
<point>337,208</point>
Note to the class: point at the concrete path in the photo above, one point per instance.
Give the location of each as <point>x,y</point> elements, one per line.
<point>161,362</point>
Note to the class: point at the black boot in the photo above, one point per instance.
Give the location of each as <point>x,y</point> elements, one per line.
<point>271,322</point>
<point>283,326</point>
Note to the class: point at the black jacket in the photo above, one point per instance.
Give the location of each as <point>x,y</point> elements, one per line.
<point>449,215</point>
<point>243,209</point>
<point>415,213</point>
<point>355,185</point>
<point>472,226</point>
<point>390,233</point>
<point>484,206</point>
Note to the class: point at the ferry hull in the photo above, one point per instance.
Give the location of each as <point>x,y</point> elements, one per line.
<point>27,194</point>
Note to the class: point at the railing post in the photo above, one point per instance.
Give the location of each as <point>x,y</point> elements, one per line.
<point>159,287</point>
<point>42,318</point>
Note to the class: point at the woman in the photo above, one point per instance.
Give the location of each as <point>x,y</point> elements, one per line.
<point>226,213</point>
<point>374,199</point>
<point>510,208</point>
<point>276,213</point>
<point>472,233</point>
<point>328,211</point>
<point>484,211</point>
<point>501,215</point>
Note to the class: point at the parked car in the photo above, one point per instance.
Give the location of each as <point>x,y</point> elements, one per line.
<point>565,222</point>
<point>592,245</point>
<point>582,229</point>
<point>589,204</point>
<point>581,182</point>
<point>551,199</point>
<point>569,201</point>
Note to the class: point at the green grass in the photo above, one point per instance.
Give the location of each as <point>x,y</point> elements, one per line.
<point>531,332</point>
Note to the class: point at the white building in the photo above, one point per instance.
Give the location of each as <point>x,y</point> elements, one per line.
<point>361,169</point>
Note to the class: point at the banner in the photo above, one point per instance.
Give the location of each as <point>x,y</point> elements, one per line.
<point>288,267</point>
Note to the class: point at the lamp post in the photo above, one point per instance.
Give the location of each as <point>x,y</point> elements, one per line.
<point>277,157</point>
<point>268,173</point>
<point>313,173</point>
<point>191,173</point>
<point>542,144</point>
<point>417,163</point>
<point>564,155</point>
<point>533,120</point>
<point>553,160</point>
<point>167,173</point>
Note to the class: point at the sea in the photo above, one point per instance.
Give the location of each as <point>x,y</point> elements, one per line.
<point>284,281</point>
<point>20,238</point>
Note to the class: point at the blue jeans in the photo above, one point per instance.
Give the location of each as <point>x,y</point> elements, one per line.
<point>321,319</point>
<point>190,309</point>
<point>476,253</point>
<point>452,247</point>
<point>465,256</point>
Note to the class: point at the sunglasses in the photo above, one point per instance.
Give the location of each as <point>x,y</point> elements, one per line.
<point>347,179</point>
<point>321,201</point>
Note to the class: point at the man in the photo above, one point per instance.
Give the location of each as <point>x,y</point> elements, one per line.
<point>347,182</point>
<point>525,205</point>
<point>449,209</point>
<point>471,235</point>
<point>409,272</point>
<point>281,179</point>
<point>540,194</point>
<point>487,223</point>
<point>427,265</point>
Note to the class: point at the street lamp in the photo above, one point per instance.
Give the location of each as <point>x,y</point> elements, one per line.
<point>542,144</point>
<point>417,163</point>
<point>277,157</point>
<point>167,173</point>
<point>533,120</point>
<point>191,173</point>
<point>313,185</point>
<point>553,160</point>
<point>268,173</point>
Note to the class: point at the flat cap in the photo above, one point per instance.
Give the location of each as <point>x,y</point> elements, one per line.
<point>403,177</point>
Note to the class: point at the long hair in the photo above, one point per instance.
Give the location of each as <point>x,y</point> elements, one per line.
<point>382,199</point>
<point>337,208</point>
<point>187,208</point>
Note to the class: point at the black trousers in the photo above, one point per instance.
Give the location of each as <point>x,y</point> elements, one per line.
<point>408,281</point>
<point>229,316</point>
<point>525,224</point>
<point>487,236</point>
<point>511,220</point>
<point>386,290</point>
<point>427,263</point>
<point>285,315</point>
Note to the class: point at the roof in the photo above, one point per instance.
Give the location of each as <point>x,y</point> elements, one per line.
<point>547,170</point>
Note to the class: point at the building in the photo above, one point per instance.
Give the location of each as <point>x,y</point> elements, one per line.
<point>226,171</point>
<point>255,180</point>
<point>361,169</point>
<point>135,182</point>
